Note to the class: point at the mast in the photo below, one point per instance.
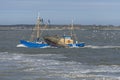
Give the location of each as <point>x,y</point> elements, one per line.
<point>73,35</point>
<point>38,28</point>
<point>72,29</point>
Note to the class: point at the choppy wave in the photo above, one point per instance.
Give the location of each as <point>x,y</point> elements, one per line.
<point>48,66</point>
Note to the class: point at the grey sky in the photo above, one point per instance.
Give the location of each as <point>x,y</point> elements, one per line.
<point>102,12</point>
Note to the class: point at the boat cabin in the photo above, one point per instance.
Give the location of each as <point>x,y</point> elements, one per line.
<point>66,40</point>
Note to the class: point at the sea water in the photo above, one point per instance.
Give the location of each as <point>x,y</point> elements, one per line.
<point>98,60</point>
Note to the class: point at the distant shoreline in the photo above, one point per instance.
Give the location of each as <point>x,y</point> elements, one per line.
<point>60,27</point>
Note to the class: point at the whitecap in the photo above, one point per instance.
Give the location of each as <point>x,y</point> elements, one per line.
<point>21,45</point>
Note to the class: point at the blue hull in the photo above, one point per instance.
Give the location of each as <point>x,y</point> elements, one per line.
<point>45,45</point>
<point>34,44</point>
<point>77,45</point>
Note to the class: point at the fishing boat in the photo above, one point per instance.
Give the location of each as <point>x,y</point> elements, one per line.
<point>35,41</point>
<point>65,41</point>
